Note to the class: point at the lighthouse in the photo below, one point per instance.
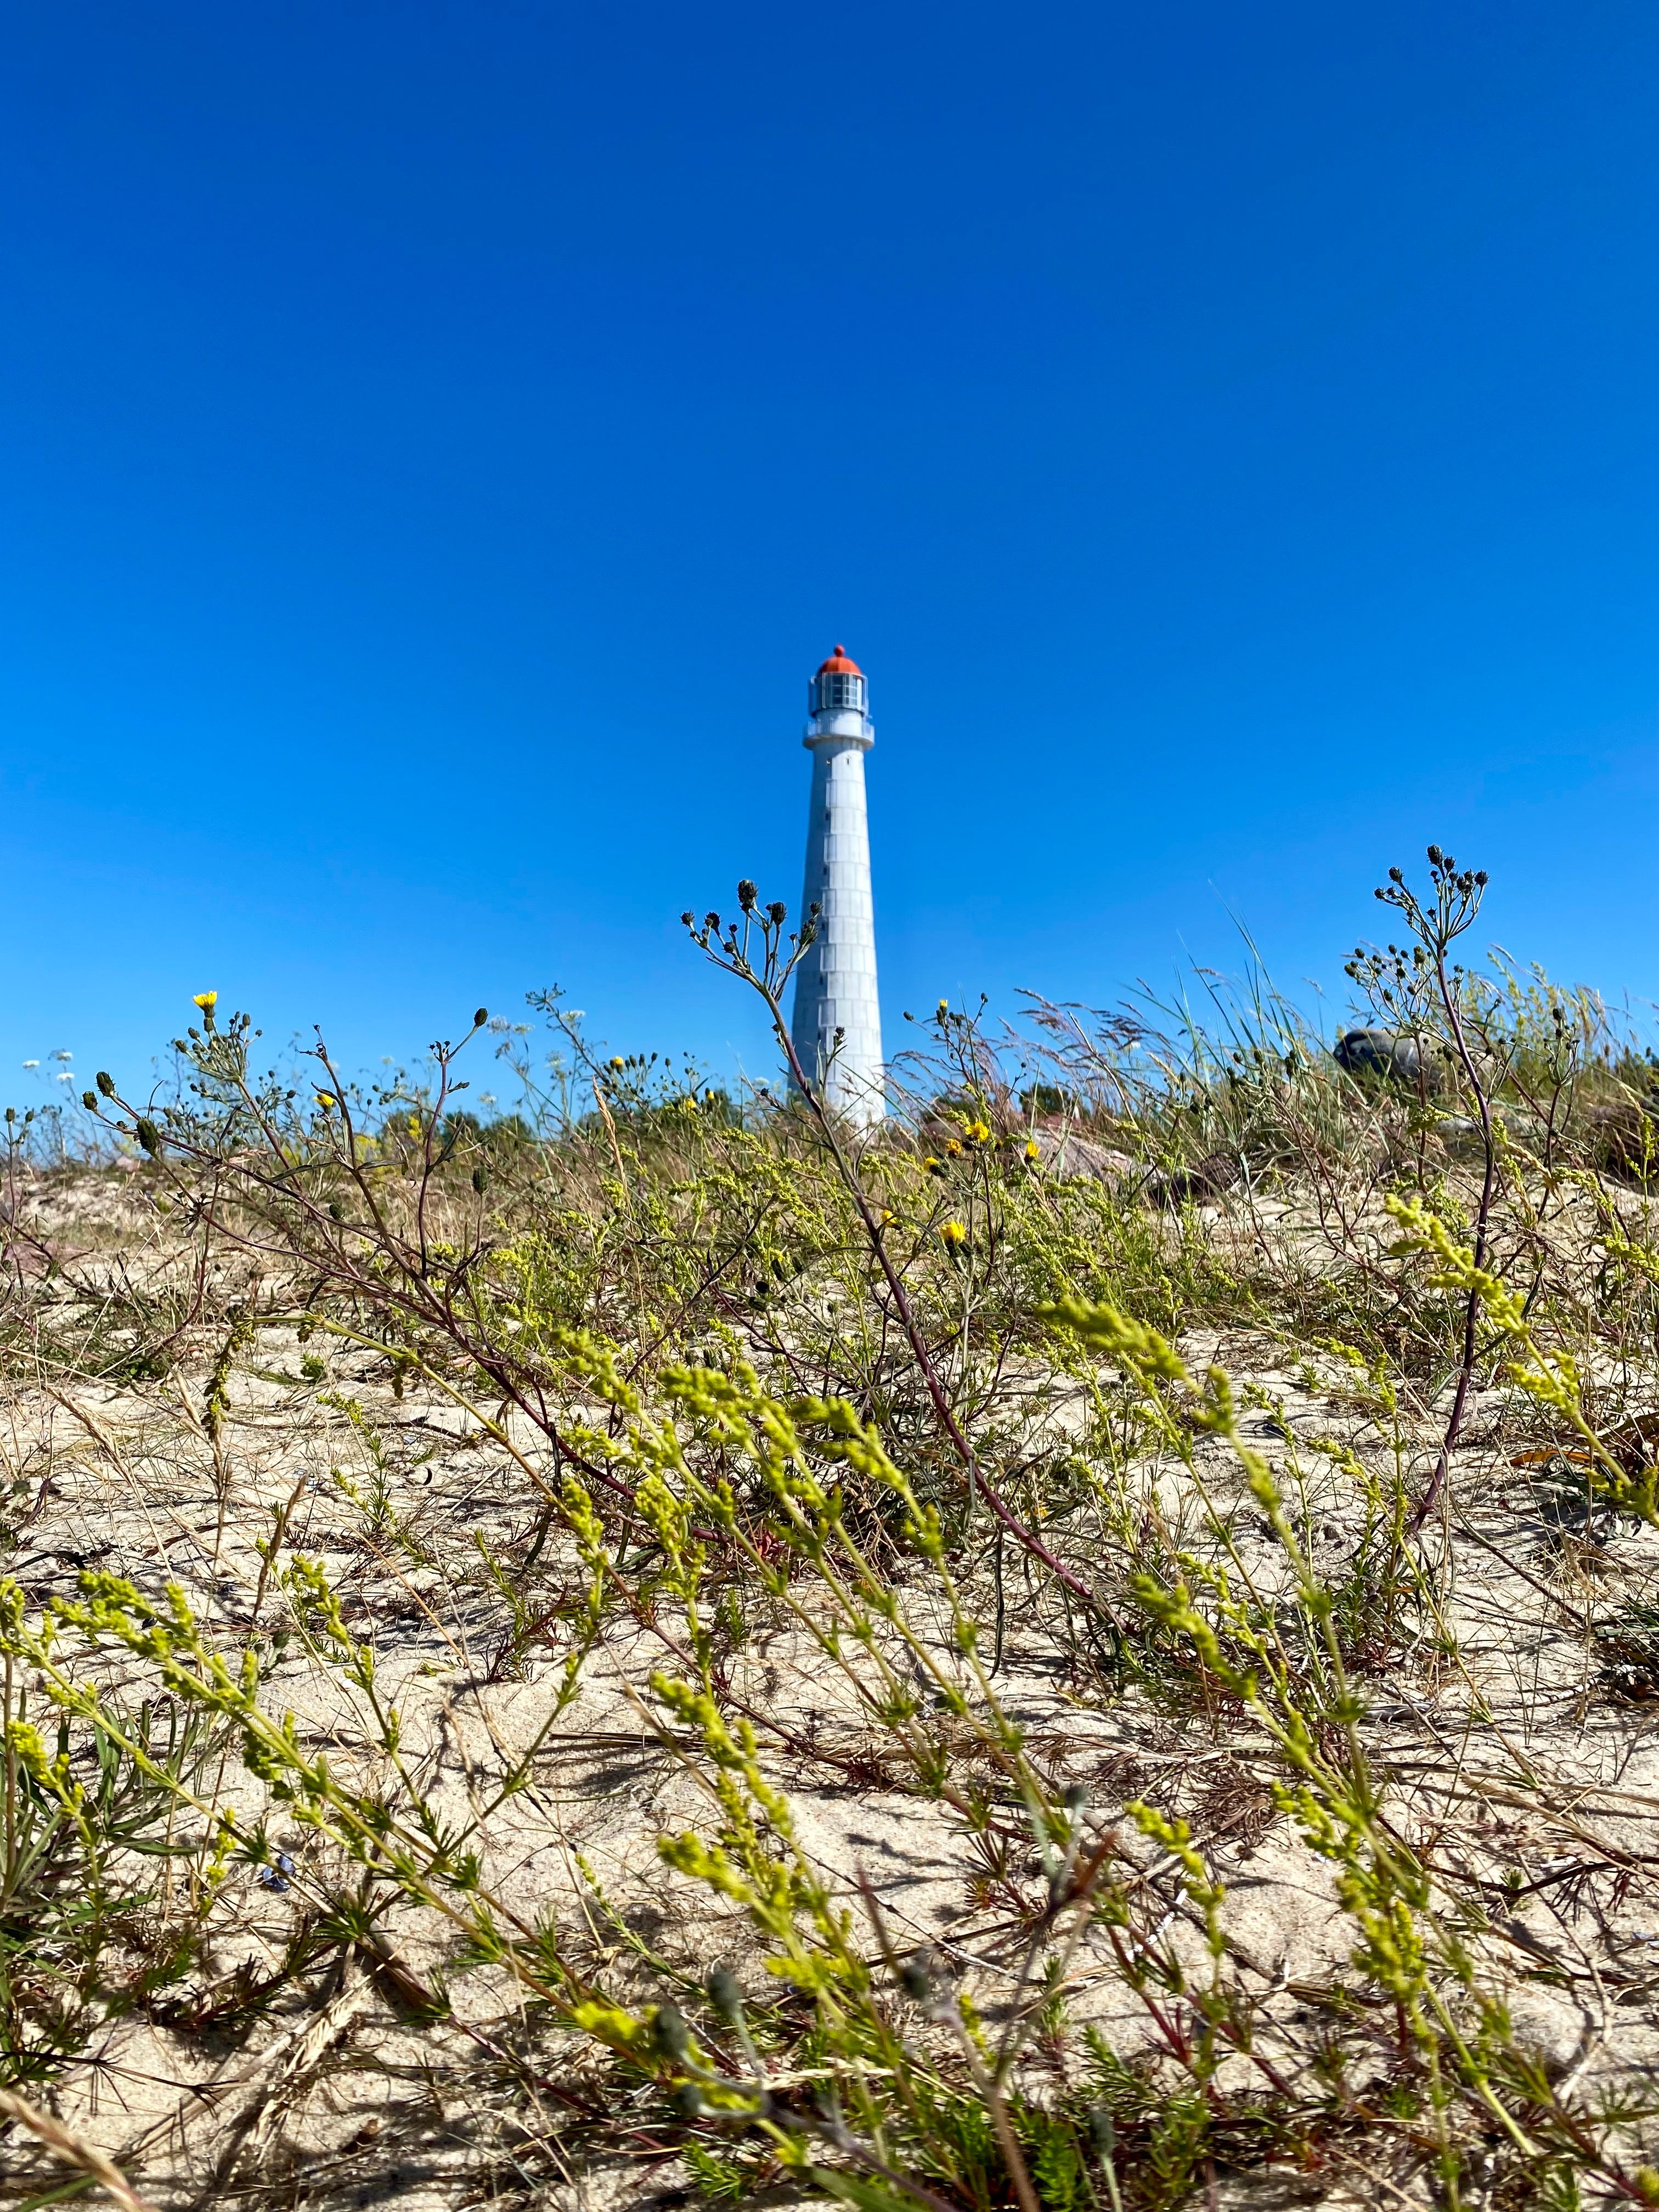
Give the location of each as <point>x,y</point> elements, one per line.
<point>836,1026</point>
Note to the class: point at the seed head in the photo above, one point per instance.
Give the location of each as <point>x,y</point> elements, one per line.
<point>481,1018</point>
<point>106,1084</point>
<point>669,2032</point>
<point>148,1136</point>
<point>689,918</point>
<point>746,895</point>
<point>916,1977</point>
<point>777,911</point>
<point>89,1100</point>
<point>725,1993</point>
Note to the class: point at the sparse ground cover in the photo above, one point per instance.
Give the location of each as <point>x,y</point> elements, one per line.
<point>1096,1650</point>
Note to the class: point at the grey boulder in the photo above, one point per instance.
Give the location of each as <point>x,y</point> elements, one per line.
<point>1380,1052</point>
<point>1079,1160</point>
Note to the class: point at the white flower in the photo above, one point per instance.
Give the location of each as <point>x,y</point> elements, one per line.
<point>63,1055</point>
<point>63,1076</point>
<point>486,1098</point>
<point>31,1063</point>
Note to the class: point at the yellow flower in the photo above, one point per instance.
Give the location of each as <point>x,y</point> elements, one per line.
<point>619,1062</point>
<point>326,1099</point>
<point>979,1132</point>
<point>1033,1150</point>
<point>207,1001</point>
<point>931,1164</point>
<point>953,1233</point>
<point>951,1144</point>
<point>887,1216</point>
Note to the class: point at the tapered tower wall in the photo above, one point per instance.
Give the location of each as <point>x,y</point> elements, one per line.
<point>836,982</point>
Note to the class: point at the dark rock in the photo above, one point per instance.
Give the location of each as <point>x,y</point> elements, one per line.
<point>1183,1185</point>
<point>1382,1052</point>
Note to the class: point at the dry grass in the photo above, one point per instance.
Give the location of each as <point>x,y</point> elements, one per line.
<point>1154,1789</point>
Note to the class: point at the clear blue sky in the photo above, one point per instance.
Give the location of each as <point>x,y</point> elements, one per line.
<point>438,440</point>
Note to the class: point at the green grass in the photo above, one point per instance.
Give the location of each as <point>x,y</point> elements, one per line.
<point>814,1473</point>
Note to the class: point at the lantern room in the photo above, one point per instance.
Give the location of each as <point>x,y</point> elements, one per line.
<point>838,688</point>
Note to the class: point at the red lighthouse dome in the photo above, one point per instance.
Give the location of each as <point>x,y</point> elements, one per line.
<point>839,664</point>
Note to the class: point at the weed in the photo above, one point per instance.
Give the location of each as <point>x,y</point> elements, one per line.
<point>975,1569</point>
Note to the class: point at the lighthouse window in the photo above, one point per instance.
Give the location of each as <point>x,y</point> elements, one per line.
<point>835,692</point>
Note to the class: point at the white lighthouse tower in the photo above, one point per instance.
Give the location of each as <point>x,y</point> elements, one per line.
<point>836,1028</point>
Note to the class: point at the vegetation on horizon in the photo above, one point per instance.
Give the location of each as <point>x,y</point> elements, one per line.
<point>1131,1458</point>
